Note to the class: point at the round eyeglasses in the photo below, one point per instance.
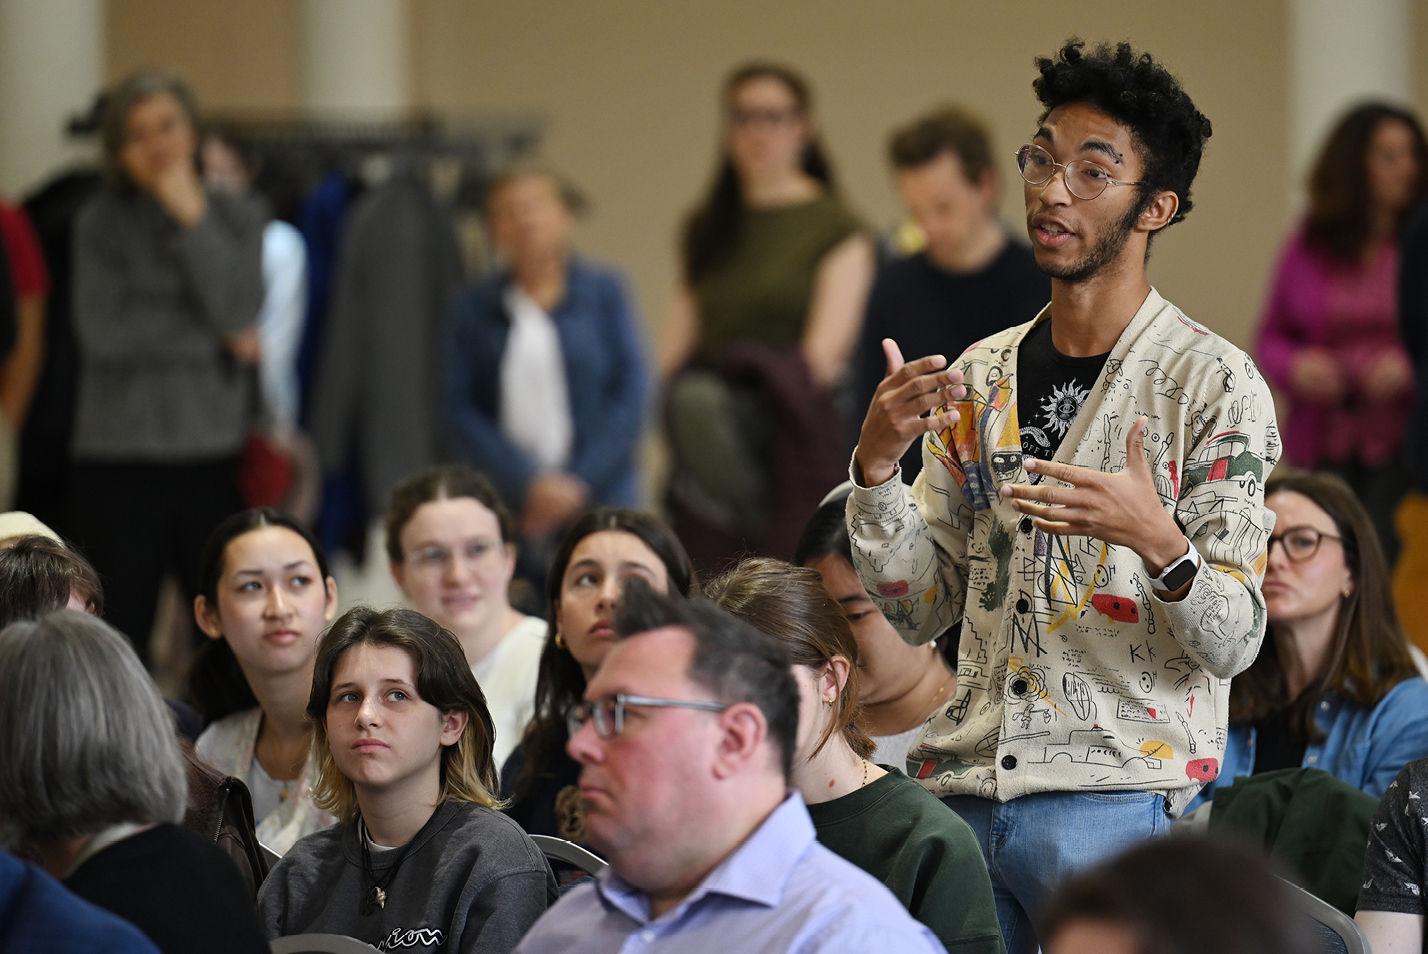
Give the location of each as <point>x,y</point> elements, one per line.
<point>1084,178</point>
<point>1300,543</point>
<point>608,712</point>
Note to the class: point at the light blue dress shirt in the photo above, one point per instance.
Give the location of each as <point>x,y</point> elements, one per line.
<point>1365,747</point>
<point>780,891</point>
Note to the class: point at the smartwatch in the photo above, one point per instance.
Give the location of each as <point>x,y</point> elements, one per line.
<point>1178,572</point>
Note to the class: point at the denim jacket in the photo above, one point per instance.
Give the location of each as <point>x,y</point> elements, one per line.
<point>1365,747</point>
<point>605,375</point>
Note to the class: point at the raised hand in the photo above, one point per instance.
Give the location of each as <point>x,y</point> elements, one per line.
<point>1122,509</point>
<point>895,419</point>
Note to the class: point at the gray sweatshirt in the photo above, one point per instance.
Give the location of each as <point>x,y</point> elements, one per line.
<point>472,882</point>
<point>152,302</point>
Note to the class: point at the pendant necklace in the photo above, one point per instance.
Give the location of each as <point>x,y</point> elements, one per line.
<point>374,893</point>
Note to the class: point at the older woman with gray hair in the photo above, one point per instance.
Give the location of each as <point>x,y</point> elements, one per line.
<point>168,283</point>
<point>92,788</point>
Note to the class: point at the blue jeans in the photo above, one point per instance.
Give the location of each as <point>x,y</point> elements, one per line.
<point>1034,842</point>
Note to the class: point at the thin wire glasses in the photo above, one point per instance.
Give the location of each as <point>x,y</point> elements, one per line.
<point>1084,178</point>
<point>1300,543</point>
<point>608,712</point>
<point>436,560</point>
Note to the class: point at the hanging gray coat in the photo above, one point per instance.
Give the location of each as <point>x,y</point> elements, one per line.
<point>378,369</point>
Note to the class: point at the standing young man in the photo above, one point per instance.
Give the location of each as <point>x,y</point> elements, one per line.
<point>1089,507</point>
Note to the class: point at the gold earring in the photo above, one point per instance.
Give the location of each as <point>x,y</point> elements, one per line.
<point>560,640</point>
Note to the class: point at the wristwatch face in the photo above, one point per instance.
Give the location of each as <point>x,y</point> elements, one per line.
<point>1179,576</point>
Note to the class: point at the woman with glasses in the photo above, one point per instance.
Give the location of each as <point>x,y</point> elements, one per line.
<point>1329,338</point>
<point>775,273</point>
<point>450,540</point>
<point>1335,685</point>
<point>600,552</point>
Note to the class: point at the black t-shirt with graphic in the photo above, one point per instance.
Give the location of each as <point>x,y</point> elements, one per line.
<point>1051,387</point>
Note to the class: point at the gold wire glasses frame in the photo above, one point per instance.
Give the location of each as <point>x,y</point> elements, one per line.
<point>1084,179</point>
<point>608,712</point>
<point>1300,543</point>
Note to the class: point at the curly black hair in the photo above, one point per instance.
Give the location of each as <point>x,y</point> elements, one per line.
<point>1169,133</point>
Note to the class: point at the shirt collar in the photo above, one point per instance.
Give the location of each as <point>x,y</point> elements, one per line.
<point>757,871</point>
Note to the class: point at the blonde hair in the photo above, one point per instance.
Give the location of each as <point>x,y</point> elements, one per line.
<point>443,679</point>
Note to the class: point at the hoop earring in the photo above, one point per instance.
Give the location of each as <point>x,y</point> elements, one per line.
<point>559,640</point>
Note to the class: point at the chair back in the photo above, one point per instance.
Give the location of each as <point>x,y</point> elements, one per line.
<point>1338,933</point>
<point>320,944</point>
<point>569,854</point>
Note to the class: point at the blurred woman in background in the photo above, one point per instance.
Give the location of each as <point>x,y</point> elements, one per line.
<point>546,379</point>
<point>450,540</point>
<point>772,258</point>
<point>167,286</point>
<point>1329,340</point>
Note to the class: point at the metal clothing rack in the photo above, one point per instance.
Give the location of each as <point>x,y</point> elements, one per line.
<point>292,152</point>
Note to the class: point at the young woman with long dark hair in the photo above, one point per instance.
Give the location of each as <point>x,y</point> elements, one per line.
<point>265,596</point>
<point>599,554</point>
<point>773,258</point>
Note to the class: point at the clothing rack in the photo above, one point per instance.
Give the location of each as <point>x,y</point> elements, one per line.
<point>291,153</point>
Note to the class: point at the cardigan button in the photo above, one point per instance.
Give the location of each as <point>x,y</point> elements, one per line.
<point>1008,762</point>
<point>1026,525</point>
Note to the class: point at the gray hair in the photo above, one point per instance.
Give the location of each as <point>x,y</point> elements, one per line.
<point>125,95</point>
<point>87,740</point>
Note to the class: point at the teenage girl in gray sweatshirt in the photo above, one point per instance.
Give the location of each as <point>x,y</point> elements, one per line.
<point>421,860</point>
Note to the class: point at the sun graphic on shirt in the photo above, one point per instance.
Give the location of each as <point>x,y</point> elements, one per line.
<point>1061,407</point>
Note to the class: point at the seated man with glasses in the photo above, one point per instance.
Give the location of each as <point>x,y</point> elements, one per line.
<point>1089,508</point>
<point>685,743</point>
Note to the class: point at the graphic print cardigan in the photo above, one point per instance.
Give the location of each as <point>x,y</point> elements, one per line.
<point>1073,675</point>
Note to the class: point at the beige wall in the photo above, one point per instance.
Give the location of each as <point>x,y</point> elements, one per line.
<point>628,88</point>
<point>236,55</point>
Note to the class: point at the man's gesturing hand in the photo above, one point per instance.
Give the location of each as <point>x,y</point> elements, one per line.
<point>1121,509</point>
<point>895,418</point>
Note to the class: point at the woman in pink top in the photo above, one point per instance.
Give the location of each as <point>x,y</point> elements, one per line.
<point>1329,340</point>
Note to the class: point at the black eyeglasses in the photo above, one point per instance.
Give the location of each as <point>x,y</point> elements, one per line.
<point>1300,543</point>
<point>608,712</point>
<point>1084,178</point>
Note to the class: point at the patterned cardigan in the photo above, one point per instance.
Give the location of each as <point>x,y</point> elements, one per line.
<point>1073,675</point>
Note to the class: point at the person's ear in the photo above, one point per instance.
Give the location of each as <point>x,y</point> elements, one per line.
<point>834,678</point>
<point>329,606</point>
<point>207,618</point>
<point>399,570</point>
<point>989,184</point>
<point>1158,214</point>
<point>741,738</point>
<point>453,723</point>
<point>510,551</point>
